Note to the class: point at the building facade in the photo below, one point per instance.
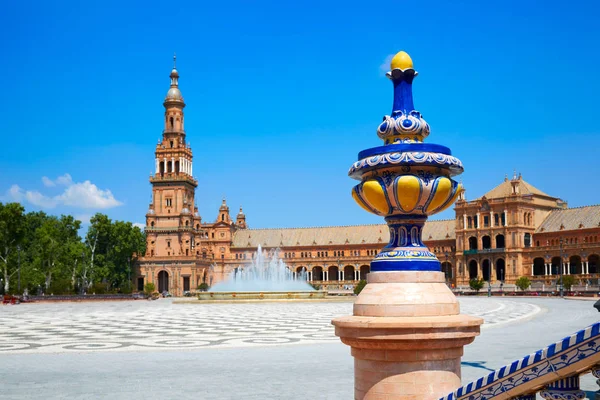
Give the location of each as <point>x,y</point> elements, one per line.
<point>513,230</point>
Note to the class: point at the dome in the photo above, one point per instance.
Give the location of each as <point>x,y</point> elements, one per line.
<point>174,94</point>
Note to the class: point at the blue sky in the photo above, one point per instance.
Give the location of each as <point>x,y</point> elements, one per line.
<point>281,96</point>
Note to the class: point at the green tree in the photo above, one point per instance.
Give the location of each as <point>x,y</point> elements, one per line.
<point>523,283</point>
<point>568,281</point>
<point>98,242</point>
<point>53,240</point>
<point>476,284</point>
<point>361,285</point>
<point>12,231</point>
<point>203,287</point>
<point>149,288</point>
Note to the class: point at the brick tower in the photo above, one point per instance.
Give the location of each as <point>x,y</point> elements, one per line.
<point>172,221</point>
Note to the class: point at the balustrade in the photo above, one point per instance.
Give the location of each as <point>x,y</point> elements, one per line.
<point>552,372</point>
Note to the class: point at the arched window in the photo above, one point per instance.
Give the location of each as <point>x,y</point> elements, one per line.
<point>152,224</point>
<point>472,243</point>
<point>187,223</point>
<point>171,120</point>
<point>527,240</point>
<point>222,217</point>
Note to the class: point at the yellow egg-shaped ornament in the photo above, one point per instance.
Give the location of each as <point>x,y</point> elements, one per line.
<point>443,191</point>
<point>375,196</point>
<point>408,190</point>
<point>401,61</point>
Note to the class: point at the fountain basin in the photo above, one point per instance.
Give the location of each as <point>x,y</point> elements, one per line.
<point>292,295</point>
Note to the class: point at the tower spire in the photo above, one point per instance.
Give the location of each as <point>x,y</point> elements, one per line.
<point>174,60</point>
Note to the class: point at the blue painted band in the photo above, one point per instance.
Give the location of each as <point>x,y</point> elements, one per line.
<point>405,265</point>
<point>403,148</point>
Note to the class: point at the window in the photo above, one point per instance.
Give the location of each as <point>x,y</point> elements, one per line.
<point>171,143</point>
<point>168,244</point>
<point>503,219</point>
<point>469,222</point>
<point>527,240</point>
<point>169,202</point>
<point>486,221</point>
<point>496,219</point>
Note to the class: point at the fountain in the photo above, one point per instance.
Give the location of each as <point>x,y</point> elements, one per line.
<point>265,278</point>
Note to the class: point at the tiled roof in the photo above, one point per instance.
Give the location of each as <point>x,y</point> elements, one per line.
<point>505,189</point>
<point>334,235</point>
<point>571,219</point>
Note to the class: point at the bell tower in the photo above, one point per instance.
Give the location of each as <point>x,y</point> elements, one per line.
<point>171,216</point>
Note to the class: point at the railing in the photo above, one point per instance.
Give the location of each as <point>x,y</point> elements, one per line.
<point>552,371</point>
<point>484,251</point>
<point>170,176</point>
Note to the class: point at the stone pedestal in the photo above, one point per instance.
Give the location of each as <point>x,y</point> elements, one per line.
<point>407,337</point>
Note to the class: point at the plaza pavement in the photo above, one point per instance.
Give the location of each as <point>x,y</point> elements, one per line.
<point>161,350</point>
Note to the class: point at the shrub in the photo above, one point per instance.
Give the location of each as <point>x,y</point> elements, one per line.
<point>568,281</point>
<point>203,287</point>
<point>523,283</point>
<point>98,288</point>
<point>361,285</point>
<point>476,284</point>
<point>149,288</point>
<point>58,287</point>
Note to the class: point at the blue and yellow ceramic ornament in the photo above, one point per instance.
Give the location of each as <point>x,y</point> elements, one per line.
<point>405,180</point>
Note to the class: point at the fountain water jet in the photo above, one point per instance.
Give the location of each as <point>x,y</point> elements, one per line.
<point>265,278</point>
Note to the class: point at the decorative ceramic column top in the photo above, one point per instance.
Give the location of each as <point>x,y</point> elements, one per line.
<point>405,180</point>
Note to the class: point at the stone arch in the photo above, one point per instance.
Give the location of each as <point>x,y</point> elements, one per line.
<point>575,265</point>
<point>486,270</point>
<point>317,273</point>
<point>527,240</point>
<point>500,241</point>
<point>472,269</point>
<point>447,270</point>
<point>472,243</point>
<point>500,269</point>
<point>556,265</point>
<point>163,281</point>
<point>364,271</point>
<point>333,273</point>
<point>486,242</point>
<point>539,266</point>
<point>594,263</point>
<point>349,273</point>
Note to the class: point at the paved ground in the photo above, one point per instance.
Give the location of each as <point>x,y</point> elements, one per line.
<point>120,350</point>
<point>143,325</point>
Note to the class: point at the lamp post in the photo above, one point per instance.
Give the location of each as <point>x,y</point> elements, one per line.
<point>560,269</point>
<point>19,269</point>
<point>129,270</point>
<point>446,268</point>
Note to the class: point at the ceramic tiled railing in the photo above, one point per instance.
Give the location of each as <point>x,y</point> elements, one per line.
<point>553,372</point>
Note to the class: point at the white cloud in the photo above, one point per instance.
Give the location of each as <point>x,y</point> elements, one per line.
<point>84,218</point>
<point>87,195</point>
<point>385,66</point>
<point>139,225</point>
<point>48,182</point>
<point>14,194</point>
<point>38,199</point>
<point>64,180</point>
<point>81,195</point>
